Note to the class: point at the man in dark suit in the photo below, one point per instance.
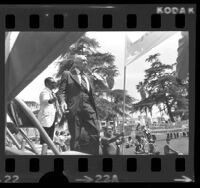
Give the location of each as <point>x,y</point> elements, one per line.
<point>76,95</point>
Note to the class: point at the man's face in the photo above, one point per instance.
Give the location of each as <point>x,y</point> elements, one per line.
<point>81,65</point>
<point>109,132</point>
<point>52,84</point>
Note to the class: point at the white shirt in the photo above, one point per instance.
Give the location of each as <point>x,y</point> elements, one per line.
<point>87,82</point>
<point>47,112</point>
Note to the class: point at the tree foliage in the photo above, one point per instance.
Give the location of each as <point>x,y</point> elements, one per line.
<point>101,66</point>
<point>112,107</point>
<point>162,87</point>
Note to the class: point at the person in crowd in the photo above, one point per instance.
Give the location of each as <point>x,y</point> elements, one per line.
<point>129,142</point>
<point>67,141</point>
<point>152,148</point>
<point>175,135</point>
<point>147,133</point>
<point>138,145</point>
<point>168,150</point>
<point>47,114</point>
<point>77,96</point>
<point>62,138</point>
<point>110,144</point>
<point>143,143</point>
<point>138,127</point>
<point>56,137</point>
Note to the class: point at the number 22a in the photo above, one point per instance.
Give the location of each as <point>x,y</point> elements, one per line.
<point>106,178</point>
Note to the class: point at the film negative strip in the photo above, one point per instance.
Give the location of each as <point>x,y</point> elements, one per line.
<point>97,93</point>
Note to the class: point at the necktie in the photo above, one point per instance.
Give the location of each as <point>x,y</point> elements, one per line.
<point>54,96</point>
<point>83,82</point>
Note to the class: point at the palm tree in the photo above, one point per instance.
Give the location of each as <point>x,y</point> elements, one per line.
<point>117,96</point>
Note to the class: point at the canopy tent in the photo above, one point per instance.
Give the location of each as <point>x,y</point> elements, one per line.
<point>31,53</point>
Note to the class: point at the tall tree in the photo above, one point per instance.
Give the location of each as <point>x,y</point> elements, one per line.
<point>162,87</point>
<point>141,89</point>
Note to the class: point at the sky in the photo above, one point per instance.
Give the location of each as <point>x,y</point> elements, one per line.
<point>114,43</point>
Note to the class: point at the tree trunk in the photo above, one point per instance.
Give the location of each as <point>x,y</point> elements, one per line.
<point>169,112</point>
<point>160,111</point>
<point>146,112</point>
<point>150,111</point>
<point>168,108</point>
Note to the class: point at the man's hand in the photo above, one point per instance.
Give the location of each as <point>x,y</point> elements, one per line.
<point>51,101</point>
<point>64,107</point>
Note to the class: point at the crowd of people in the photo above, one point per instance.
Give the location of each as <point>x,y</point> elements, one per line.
<point>145,142</point>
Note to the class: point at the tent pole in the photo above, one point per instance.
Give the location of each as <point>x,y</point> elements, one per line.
<point>124,93</point>
<point>124,97</point>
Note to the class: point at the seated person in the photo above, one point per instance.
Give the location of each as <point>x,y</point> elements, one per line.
<point>138,144</point>
<point>144,144</point>
<point>147,133</point>
<point>67,141</point>
<point>56,139</point>
<point>152,149</point>
<point>108,142</point>
<point>129,142</point>
<point>62,139</point>
<point>168,150</point>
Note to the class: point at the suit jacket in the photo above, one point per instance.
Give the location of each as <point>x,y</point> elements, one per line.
<point>70,89</point>
<point>47,112</point>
